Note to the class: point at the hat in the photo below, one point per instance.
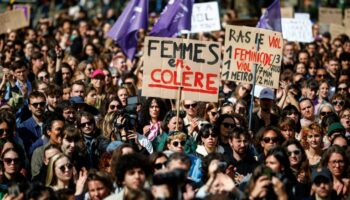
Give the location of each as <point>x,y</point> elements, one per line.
<point>77,100</point>
<point>323,172</point>
<point>113,145</point>
<point>335,127</point>
<point>267,93</point>
<point>98,72</point>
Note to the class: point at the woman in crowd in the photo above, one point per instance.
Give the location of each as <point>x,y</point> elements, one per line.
<point>338,102</point>
<point>123,95</point>
<point>266,139</point>
<point>99,185</point>
<point>344,116</point>
<point>323,110</point>
<point>287,127</point>
<point>211,112</point>
<point>336,161</point>
<point>298,160</point>
<point>225,124</point>
<point>152,116</point>
<point>323,92</point>
<point>60,175</point>
<point>158,160</point>
<point>12,163</point>
<point>207,141</point>
<point>311,140</point>
<point>292,112</point>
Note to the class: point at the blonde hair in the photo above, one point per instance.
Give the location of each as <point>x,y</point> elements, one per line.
<point>177,136</point>
<point>51,176</point>
<point>108,124</point>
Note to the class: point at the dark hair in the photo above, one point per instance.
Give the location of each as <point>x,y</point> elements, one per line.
<point>71,133</point>
<point>49,122</point>
<point>180,156</point>
<point>260,135</point>
<point>9,119</point>
<point>206,162</point>
<point>238,131</point>
<point>87,115</point>
<point>19,64</point>
<point>103,177</point>
<point>145,115</point>
<point>116,155</point>
<point>36,55</point>
<point>54,90</point>
<point>221,118</point>
<point>129,162</point>
<point>206,128</point>
<point>36,94</point>
<point>168,116</point>
<point>335,149</point>
<point>19,153</point>
<point>340,136</point>
<point>281,156</point>
<point>37,190</point>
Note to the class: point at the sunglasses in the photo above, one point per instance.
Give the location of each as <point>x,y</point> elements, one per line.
<point>214,113</point>
<point>67,166</point>
<point>41,104</point>
<point>119,125</point>
<point>342,89</point>
<point>319,181</point>
<point>206,135</point>
<point>270,139</point>
<point>176,143</point>
<point>321,75</point>
<point>43,77</point>
<point>10,160</point>
<point>112,107</point>
<point>229,125</point>
<point>338,102</point>
<point>187,106</point>
<point>296,152</point>
<point>160,165</point>
<point>325,113</point>
<point>2,131</point>
<point>86,123</point>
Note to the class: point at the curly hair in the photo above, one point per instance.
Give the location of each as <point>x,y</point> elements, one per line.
<point>305,131</point>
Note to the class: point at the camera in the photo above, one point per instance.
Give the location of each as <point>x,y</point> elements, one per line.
<point>175,177</point>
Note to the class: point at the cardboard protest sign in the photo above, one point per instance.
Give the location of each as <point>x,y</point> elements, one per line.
<point>330,15</point>
<point>12,20</point>
<point>25,9</point>
<point>299,30</point>
<point>286,12</point>
<point>170,63</point>
<point>205,17</point>
<point>247,47</point>
<point>336,30</point>
<point>347,17</point>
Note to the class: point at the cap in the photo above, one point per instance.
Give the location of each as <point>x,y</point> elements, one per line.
<point>322,172</point>
<point>98,72</point>
<point>267,93</point>
<point>335,127</point>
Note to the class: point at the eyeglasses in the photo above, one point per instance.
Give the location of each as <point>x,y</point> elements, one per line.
<point>176,143</point>
<point>229,125</point>
<point>325,113</point>
<point>338,102</point>
<point>270,139</point>
<point>2,131</point>
<point>342,88</point>
<point>10,160</point>
<point>112,107</point>
<point>36,105</point>
<point>206,135</point>
<point>67,166</point>
<point>334,162</point>
<point>296,152</point>
<point>187,106</point>
<point>86,123</point>
<point>160,165</point>
<point>346,116</point>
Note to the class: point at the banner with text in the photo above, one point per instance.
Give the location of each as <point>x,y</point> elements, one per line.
<point>205,17</point>
<point>241,55</point>
<point>299,30</point>
<point>170,63</point>
<point>330,15</point>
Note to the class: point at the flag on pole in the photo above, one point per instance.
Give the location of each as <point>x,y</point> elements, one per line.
<point>125,29</point>
<point>175,17</point>
<point>271,19</point>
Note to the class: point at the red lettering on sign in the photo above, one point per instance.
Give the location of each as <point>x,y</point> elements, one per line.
<point>153,77</point>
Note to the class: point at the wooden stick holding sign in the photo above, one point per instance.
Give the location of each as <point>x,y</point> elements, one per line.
<point>177,68</point>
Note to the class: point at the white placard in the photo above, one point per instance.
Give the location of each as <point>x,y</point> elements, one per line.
<point>205,17</point>
<point>305,16</point>
<point>299,30</point>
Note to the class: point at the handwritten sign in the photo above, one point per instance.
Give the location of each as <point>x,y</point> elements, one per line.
<point>170,63</point>
<point>205,17</point>
<point>12,20</point>
<point>25,9</point>
<point>330,15</point>
<point>241,55</point>
<point>299,30</point>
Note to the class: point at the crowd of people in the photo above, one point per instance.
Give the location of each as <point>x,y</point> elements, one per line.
<point>73,123</point>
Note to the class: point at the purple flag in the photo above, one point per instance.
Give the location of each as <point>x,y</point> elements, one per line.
<point>271,19</point>
<point>175,17</point>
<point>125,29</point>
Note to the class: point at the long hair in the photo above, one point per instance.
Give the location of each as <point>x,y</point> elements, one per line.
<point>51,178</point>
<point>145,116</point>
